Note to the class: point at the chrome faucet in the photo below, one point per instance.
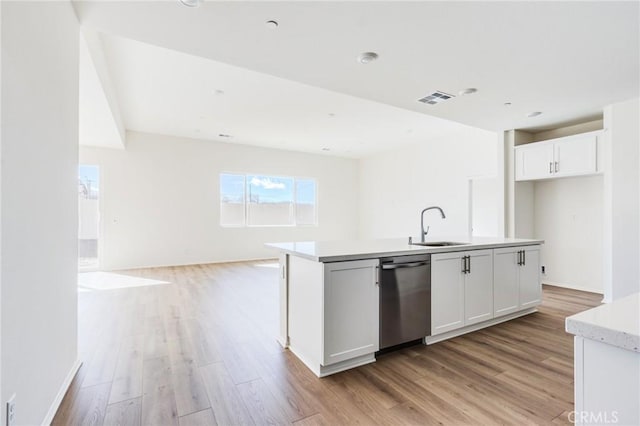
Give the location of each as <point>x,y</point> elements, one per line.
<point>423,232</point>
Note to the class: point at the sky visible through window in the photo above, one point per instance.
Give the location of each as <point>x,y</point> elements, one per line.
<point>86,173</point>
<point>268,189</point>
<point>88,183</point>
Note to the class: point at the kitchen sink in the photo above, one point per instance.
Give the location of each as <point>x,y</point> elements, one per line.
<point>440,244</point>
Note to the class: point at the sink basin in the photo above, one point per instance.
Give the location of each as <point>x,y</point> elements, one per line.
<point>439,244</point>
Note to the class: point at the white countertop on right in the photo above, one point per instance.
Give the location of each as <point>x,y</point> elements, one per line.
<point>616,323</point>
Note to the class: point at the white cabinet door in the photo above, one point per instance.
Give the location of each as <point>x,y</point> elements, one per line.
<point>575,156</point>
<point>447,292</point>
<point>534,161</point>
<point>530,286</point>
<point>478,299</point>
<point>506,288</point>
<point>568,156</point>
<point>516,279</point>
<point>351,304</point>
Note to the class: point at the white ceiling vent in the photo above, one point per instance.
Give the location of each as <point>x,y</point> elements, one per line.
<point>436,98</point>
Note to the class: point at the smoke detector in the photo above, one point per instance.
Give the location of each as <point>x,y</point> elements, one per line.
<point>191,3</point>
<point>367,57</point>
<point>436,97</point>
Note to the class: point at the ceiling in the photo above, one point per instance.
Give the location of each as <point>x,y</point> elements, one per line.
<point>168,92</point>
<point>566,59</point>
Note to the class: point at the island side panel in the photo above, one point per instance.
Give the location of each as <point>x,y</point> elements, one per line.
<point>283,337</point>
<point>610,384</point>
<point>306,280</point>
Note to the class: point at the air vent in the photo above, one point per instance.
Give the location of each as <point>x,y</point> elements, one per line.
<point>436,98</point>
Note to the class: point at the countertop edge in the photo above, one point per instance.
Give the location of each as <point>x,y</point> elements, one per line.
<point>610,323</point>
<point>617,338</point>
<point>410,250</point>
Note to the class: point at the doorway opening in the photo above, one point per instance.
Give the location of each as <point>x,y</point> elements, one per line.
<point>88,217</point>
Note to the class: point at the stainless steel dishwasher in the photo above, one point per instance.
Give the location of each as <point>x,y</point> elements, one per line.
<point>405,299</point>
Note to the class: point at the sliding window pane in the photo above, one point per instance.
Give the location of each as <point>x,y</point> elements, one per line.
<point>269,201</point>
<point>232,200</point>
<point>306,202</point>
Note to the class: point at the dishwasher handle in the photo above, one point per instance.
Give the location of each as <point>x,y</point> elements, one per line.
<point>387,266</point>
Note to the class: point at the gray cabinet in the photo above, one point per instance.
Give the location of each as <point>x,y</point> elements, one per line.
<point>351,303</point>
<point>516,279</point>
<point>461,289</point>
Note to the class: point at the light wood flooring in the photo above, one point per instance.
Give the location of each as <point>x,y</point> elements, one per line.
<point>201,350</point>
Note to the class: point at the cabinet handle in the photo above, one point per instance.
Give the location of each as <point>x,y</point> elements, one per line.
<point>468,264</point>
<point>387,266</point>
<point>519,257</point>
<point>557,167</point>
<point>550,167</point>
<point>464,264</point>
<point>377,276</point>
<point>524,257</point>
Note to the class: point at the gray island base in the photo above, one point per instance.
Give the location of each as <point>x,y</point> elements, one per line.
<point>330,293</point>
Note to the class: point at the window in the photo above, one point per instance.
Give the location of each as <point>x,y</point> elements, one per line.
<point>305,201</point>
<point>258,200</point>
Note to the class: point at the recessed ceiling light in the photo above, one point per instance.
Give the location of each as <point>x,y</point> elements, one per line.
<point>367,57</point>
<point>507,104</point>
<point>191,3</point>
<point>467,91</point>
<point>272,25</point>
<point>534,114</point>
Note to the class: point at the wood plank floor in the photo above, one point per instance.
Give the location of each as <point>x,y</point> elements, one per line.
<point>197,347</point>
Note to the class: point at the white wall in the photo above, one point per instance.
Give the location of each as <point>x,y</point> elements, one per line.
<point>486,206</point>
<point>39,203</point>
<point>622,200</point>
<point>568,216</point>
<point>395,186</point>
<point>160,200</point>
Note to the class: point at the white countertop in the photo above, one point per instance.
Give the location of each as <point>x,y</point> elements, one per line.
<point>616,323</point>
<point>337,251</point>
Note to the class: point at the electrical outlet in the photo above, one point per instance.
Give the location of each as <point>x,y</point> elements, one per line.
<point>11,410</point>
<point>544,269</point>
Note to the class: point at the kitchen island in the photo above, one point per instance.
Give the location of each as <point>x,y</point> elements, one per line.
<point>607,362</point>
<point>329,292</point>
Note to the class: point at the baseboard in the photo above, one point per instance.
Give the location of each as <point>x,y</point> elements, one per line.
<point>61,393</point>
<point>162,265</point>
<point>571,286</point>
<point>468,329</point>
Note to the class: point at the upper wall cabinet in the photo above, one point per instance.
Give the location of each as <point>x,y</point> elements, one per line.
<point>569,156</point>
